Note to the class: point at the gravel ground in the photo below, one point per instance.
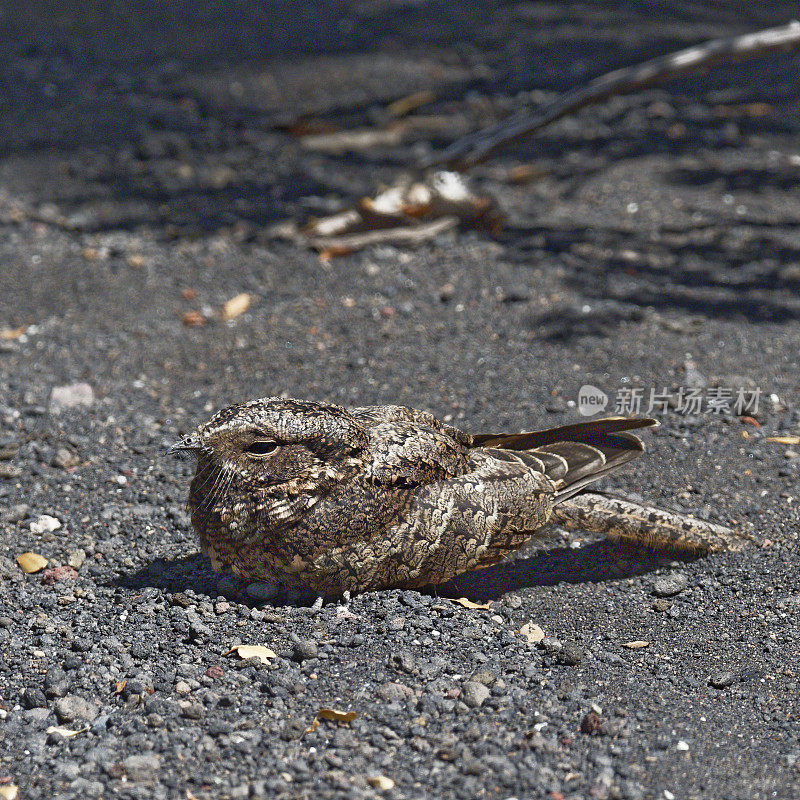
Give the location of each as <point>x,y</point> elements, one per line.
<point>143,153</point>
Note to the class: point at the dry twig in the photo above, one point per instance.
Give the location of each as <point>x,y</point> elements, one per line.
<point>477,147</point>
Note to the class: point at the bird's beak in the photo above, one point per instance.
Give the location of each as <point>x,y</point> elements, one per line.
<point>190,443</point>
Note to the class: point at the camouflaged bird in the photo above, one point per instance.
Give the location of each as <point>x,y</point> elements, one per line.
<point>305,494</point>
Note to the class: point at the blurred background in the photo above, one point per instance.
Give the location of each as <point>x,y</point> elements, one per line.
<point>147,151</point>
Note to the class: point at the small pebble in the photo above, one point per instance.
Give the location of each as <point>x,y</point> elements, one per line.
<point>31,562</point>
<point>63,458</point>
<point>45,524</point>
<point>669,585</point>
<point>392,692</point>
<point>591,723</point>
<point>474,694</point>
<point>719,680</point>
<point>515,293</point>
<point>380,782</point>
<point>142,768</point>
<point>62,573</point>
<point>17,513</point>
<point>70,396</point>
<point>76,558</point>
<point>33,697</point>
<point>304,649</point>
<point>570,654</point>
<point>484,676</point>
<point>551,645</point>
<point>72,707</point>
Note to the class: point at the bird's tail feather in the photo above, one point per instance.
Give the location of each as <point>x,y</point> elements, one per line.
<point>625,521</point>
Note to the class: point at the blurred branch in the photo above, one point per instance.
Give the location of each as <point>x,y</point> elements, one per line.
<point>477,147</point>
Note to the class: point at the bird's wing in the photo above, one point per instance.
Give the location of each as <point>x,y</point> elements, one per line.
<point>412,454</point>
<point>369,416</point>
<point>530,473</point>
<point>573,455</point>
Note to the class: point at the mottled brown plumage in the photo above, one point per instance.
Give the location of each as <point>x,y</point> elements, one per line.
<point>306,494</point>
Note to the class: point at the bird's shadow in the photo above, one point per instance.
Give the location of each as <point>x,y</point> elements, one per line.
<point>593,563</point>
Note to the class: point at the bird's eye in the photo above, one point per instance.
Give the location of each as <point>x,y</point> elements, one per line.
<point>261,448</point>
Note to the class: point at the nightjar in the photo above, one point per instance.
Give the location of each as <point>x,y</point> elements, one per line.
<point>306,494</point>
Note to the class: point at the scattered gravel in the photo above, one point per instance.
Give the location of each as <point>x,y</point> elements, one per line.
<point>141,167</point>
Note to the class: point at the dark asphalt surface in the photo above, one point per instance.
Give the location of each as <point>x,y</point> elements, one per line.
<point>144,151</point>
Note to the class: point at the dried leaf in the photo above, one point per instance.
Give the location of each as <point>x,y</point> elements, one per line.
<point>330,714</point>
<point>12,333</point>
<point>9,792</point>
<point>406,213</point>
<point>31,562</point>
<point>236,306</point>
<point>403,106</point>
<point>193,319</point>
<point>462,601</point>
<point>334,225</point>
<point>343,141</point>
<point>743,110</point>
<point>65,732</point>
<point>637,645</point>
<point>750,421</point>
<point>329,253</point>
<point>400,234</point>
<point>312,727</point>
<point>306,126</point>
<point>533,633</point>
<point>784,439</point>
<point>119,686</point>
<point>335,715</point>
<point>252,651</point>
<point>380,782</point>
<point>525,173</point>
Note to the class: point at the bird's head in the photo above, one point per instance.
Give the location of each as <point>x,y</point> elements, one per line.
<point>277,444</point>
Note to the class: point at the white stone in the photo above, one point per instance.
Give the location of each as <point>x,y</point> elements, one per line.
<point>45,524</point>
<point>71,396</point>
